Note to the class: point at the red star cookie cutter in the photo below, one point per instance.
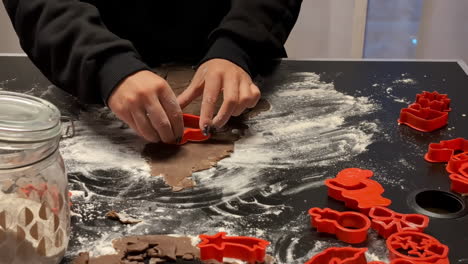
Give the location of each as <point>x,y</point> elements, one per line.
<point>387,222</point>
<point>445,149</point>
<point>422,119</point>
<point>192,131</point>
<point>354,187</point>
<point>220,246</point>
<point>434,100</point>
<point>337,255</point>
<point>417,247</point>
<point>349,227</point>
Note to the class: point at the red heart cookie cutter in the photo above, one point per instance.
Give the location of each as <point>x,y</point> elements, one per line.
<point>354,187</point>
<point>387,222</point>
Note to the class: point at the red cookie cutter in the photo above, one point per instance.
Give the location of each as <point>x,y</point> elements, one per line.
<point>423,119</point>
<point>337,255</point>
<point>434,100</point>
<point>459,183</point>
<point>445,149</point>
<point>192,131</point>
<point>396,261</point>
<point>419,248</point>
<point>458,163</point>
<point>220,246</point>
<point>387,222</point>
<point>349,227</point>
<point>354,187</point>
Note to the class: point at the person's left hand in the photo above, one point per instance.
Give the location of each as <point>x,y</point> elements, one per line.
<point>212,77</point>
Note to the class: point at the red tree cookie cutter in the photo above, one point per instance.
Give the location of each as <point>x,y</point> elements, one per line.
<point>434,100</point>
<point>445,149</point>
<point>459,183</point>
<point>422,119</point>
<point>192,131</point>
<point>220,246</point>
<point>354,187</point>
<point>349,227</point>
<point>337,255</point>
<point>457,163</point>
<point>387,222</point>
<point>419,248</point>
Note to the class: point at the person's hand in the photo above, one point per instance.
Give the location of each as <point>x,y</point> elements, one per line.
<point>147,104</point>
<point>211,78</point>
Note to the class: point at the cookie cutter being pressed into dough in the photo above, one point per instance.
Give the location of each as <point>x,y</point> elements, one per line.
<point>417,247</point>
<point>340,255</point>
<point>192,131</point>
<point>220,246</point>
<point>434,100</point>
<point>349,227</point>
<point>387,222</point>
<point>445,149</point>
<point>354,187</point>
<point>422,119</point>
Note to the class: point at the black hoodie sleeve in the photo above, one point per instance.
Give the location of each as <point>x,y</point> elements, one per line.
<point>253,31</point>
<point>68,42</point>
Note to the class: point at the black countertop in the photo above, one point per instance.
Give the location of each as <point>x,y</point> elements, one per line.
<point>394,153</point>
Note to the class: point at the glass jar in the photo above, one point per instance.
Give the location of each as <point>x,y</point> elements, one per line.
<point>34,201</point>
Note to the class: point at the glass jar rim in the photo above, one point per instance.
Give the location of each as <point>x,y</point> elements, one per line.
<point>25,118</point>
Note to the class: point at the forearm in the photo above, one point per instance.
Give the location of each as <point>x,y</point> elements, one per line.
<point>254,31</point>
<point>68,42</point>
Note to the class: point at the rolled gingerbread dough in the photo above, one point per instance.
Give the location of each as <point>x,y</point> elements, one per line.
<point>177,163</point>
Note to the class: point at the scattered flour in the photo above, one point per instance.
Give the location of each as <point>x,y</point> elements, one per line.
<point>405,81</point>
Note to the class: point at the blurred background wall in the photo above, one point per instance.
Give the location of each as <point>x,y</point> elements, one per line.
<point>410,29</point>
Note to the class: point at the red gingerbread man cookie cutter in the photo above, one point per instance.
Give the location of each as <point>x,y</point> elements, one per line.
<point>387,222</point>
<point>349,227</point>
<point>354,187</point>
<point>220,246</point>
<point>417,247</point>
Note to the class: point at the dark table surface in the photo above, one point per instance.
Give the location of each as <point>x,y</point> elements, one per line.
<point>395,154</point>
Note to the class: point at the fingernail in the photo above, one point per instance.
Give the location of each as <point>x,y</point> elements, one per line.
<point>206,130</point>
<point>178,140</point>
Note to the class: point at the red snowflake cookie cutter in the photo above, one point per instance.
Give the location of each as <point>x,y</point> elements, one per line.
<point>192,131</point>
<point>422,119</point>
<point>354,187</point>
<point>349,227</point>
<point>337,255</point>
<point>417,247</point>
<point>434,100</point>
<point>445,149</point>
<point>220,246</point>
<point>387,222</point>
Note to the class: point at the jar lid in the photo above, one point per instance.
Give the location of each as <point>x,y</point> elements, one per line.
<point>25,118</point>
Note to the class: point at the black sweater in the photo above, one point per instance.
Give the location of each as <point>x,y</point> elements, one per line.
<point>88,47</point>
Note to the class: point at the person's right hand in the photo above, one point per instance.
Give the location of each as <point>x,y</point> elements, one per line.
<point>148,105</point>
